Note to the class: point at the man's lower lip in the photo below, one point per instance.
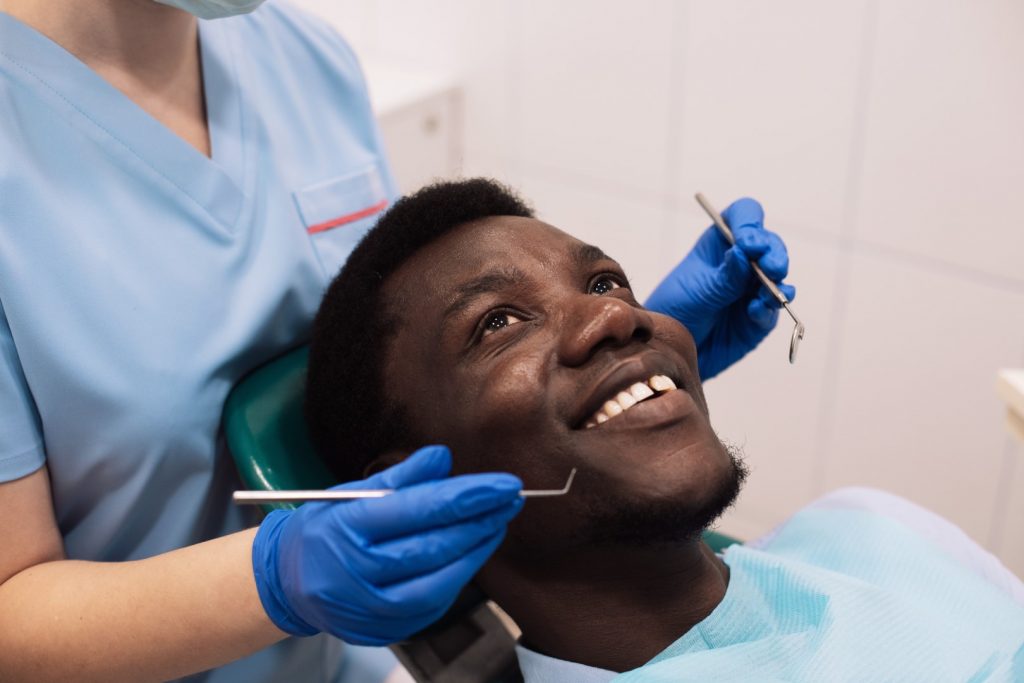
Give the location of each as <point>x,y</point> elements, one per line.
<point>658,411</point>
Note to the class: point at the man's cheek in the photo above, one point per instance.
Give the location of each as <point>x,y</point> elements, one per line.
<point>514,388</point>
<point>506,411</point>
<point>501,422</point>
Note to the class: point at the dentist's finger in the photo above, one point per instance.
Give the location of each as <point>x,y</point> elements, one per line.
<point>431,505</point>
<point>426,464</point>
<point>420,593</point>
<point>745,212</point>
<point>411,556</point>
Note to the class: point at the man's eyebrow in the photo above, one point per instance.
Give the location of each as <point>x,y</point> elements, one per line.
<point>585,254</point>
<point>493,281</point>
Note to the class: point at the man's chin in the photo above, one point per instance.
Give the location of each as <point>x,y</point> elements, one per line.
<point>628,521</point>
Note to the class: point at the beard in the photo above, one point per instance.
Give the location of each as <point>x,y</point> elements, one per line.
<point>627,522</point>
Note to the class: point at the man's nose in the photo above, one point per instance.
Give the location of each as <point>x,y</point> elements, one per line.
<point>597,322</point>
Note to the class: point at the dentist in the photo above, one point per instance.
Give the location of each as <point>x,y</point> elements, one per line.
<point>175,195</point>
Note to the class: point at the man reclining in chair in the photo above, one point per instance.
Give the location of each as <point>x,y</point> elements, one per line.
<point>462,320</point>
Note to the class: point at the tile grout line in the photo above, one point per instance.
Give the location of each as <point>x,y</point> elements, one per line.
<point>514,73</point>
<point>937,265</point>
<point>677,96</point>
<point>844,266</point>
<point>374,26</point>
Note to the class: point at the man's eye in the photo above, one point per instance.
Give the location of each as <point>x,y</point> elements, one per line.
<point>603,285</point>
<point>496,321</point>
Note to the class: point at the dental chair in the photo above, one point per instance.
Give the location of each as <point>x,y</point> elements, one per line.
<point>266,435</point>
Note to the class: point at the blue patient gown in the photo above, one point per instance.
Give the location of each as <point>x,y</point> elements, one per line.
<point>846,595</point>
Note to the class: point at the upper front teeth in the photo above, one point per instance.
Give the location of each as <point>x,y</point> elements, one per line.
<point>641,390</point>
<point>661,383</point>
<point>625,400</point>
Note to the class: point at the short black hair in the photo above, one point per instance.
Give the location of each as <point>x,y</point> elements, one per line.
<point>350,419</point>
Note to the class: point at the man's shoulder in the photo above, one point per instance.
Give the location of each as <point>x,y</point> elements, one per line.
<point>874,534</point>
<point>867,504</point>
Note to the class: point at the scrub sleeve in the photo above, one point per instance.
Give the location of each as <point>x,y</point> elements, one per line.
<point>140,280</point>
<point>21,445</point>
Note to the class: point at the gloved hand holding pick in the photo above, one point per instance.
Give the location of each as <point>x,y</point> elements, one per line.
<point>715,294</point>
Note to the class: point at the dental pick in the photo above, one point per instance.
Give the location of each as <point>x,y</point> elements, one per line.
<point>303,496</point>
<point>547,493</point>
<point>798,329</point>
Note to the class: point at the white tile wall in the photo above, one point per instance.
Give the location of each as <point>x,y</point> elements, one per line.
<point>885,138</point>
<point>768,104</point>
<point>355,20</point>
<point>592,82</point>
<point>944,144</point>
<point>916,411</point>
<point>493,166</point>
<point>469,39</point>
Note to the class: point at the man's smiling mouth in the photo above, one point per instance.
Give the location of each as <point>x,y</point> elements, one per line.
<point>628,398</point>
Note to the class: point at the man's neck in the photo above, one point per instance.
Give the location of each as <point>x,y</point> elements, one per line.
<point>613,609</point>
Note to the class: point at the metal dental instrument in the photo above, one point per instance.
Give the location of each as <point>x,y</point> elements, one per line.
<point>300,496</point>
<point>547,493</point>
<point>798,330</point>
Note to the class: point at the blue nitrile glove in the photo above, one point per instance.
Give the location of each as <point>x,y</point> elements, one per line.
<point>715,294</point>
<point>377,570</point>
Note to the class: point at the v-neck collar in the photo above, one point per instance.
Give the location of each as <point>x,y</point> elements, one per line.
<point>217,184</point>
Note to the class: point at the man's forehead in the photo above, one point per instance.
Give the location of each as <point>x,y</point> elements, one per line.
<point>488,254</point>
<point>484,241</point>
<point>468,250</point>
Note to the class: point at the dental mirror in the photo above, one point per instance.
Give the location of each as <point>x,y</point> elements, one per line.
<point>798,329</point>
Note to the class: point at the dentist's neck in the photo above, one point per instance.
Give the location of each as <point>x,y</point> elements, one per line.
<point>148,51</point>
<point>612,609</point>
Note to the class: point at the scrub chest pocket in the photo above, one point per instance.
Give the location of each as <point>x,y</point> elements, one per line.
<point>336,213</point>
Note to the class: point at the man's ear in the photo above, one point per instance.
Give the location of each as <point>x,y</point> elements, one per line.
<point>384,461</point>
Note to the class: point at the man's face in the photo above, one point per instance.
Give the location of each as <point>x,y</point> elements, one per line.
<point>512,338</point>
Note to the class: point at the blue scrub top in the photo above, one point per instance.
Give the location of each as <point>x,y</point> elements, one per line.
<point>139,279</point>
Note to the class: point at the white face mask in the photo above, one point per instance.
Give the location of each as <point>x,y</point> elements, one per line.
<point>214,9</point>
